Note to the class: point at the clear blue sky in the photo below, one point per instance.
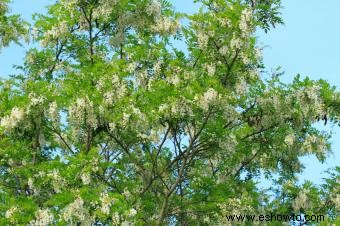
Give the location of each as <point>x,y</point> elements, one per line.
<point>308,44</point>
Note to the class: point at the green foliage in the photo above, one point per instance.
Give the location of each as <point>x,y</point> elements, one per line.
<point>110,123</point>
<point>12,27</point>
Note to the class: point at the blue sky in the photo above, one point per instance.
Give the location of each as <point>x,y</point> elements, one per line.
<point>307,44</point>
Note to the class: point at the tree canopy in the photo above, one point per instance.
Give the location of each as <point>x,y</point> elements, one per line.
<point>109,122</point>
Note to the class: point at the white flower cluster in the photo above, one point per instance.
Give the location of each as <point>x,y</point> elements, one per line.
<point>202,40</point>
<point>245,58</point>
<point>115,219</point>
<point>42,218</point>
<point>106,203</point>
<point>86,178</point>
<point>57,181</point>
<point>36,103</point>
<point>237,205</point>
<point>179,108</point>
<point>56,31</point>
<point>173,79</point>
<point>224,21</point>
<point>211,69</point>
<point>223,50</point>
<point>104,10</point>
<point>53,112</point>
<point>301,201</point>
<point>157,67</point>
<point>30,58</point>
<point>142,78</point>
<point>246,17</point>
<point>111,88</point>
<point>11,121</point>
<point>241,87</point>
<point>9,213</point>
<point>82,112</point>
<point>311,103</point>
<point>69,4</point>
<point>31,185</point>
<point>35,99</point>
<point>154,8</point>
<point>312,92</point>
<point>163,108</point>
<point>125,119</point>
<point>289,139</point>
<point>166,26</point>
<point>209,98</point>
<point>76,210</point>
<point>132,212</point>
<point>235,43</point>
<point>133,119</point>
<point>314,143</point>
<point>131,67</point>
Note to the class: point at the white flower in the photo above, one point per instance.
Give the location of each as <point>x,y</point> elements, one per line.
<point>115,80</point>
<point>112,126</point>
<point>9,213</point>
<point>30,58</point>
<point>245,58</point>
<point>86,178</point>
<point>241,87</point>
<point>211,69</point>
<point>301,201</point>
<point>206,219</point>
<point>100,84</point>
<point>154,8</point>
<point>131,67</point>
<point>174,79</point>
<point>115,219</point>
<point>142,78</point>
<point>223,50</point>
<point>126,193</point>
<point>208,98</point>
<point>225,22</point>
<point>157,67</point>
<point>11,121</point>
<point>81,112</point>
<point>106,203</point>
<point>57,181</point>
<point>235,43</point>
<point>163,108</point>
<point>109,97</point>
<point>53,112</point>
<point>30,183</point>
<point>35,99</point>
<point>246,17</point>
<point>125,119</point>
<point>314,143</point>
<point>132,212</point>
<point>289,139</point>
<point>336,201</point>
<point>75,209</point>
<point>166,26</point>
<point>42,218</point>
<point>202,40</point>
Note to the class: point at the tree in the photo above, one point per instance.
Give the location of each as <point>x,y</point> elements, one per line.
<point>12,27</point>
<point>110,123</point>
